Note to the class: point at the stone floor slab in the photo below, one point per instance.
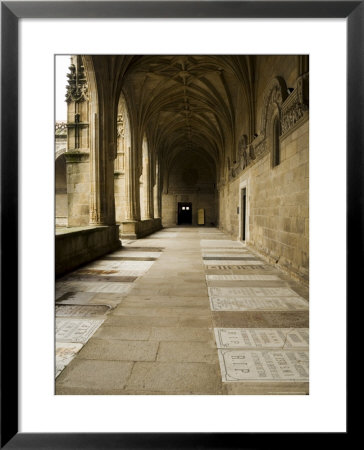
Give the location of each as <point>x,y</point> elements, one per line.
<point>228,262</point>
<point>181,334</point>
<point>187,352</point>
<point>76,330</point>
<point>127,333</point>
<point>261,338</point>
<point>257,303</point>
<point>116,350</point>
<point>242,277</point>
<point>103,375</point>
<point>252,292</point>
<point>88,286</point>
<point>65,352</point>
<point>76,298</point>
<point>263,319</point>
<point>81,310</point>
<point>269,365</point>
<point>175,378</point>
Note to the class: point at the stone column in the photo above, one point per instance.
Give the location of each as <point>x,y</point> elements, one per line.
<point>157,192</point>
<point>148,189</point>
<point>78,151</point>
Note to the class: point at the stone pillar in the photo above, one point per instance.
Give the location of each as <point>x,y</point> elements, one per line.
<point>157,192</point>
<point>129,228</point>
<point>78,188</point>
<point>148,188</point>
<point>78,153</point>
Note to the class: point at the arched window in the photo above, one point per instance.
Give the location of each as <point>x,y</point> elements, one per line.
<point>276,156</point>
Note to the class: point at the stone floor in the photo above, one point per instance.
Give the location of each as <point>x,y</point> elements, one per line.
<point>184,311</point>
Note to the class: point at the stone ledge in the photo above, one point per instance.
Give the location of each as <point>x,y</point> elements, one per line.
<point>139,228</point>
<point>80,245</point>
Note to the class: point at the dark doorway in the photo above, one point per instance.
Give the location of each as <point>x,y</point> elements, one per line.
<point>184,213</point>
<point>243,214</point>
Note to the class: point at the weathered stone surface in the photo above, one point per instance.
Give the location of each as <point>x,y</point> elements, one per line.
<point>65,352</point>
<point>81,310</point>
<point>89,375</point>
<point>261,337</point>
<point>269,365</point>
<point>119,350</point>
<point>175,378</point>
<point>257,303</point>
<point>76,330</point>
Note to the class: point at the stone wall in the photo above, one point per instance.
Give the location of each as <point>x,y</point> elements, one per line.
<point>77,246</point>
<point>278,204</point>
<point>192,180</point>
<point>206,201</point>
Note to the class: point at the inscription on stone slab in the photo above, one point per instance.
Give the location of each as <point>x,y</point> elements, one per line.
<point>87,286</point>
<point>218,243</point>
<point>102,278</point>
<point>76,298</point>
<point>95,272</point>
<point>219,250</point>
<point>234,263</point>
<point>261,337</point>
<point>81,310</point>
<point>273,365</point>
<point>129,253</point>
<point>242,278</point>
<point>258,304</point>
<point>229,267</point>
<point>142,249</point>
<point>121,265</point>
<point>76,330</point>
<point>252,291</point>
<point>230,258</point>
<point>128,258</point>
<point>65,352</point>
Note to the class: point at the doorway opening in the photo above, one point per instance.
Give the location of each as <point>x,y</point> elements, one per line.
<point>184,213</point>
<point>243,214</point>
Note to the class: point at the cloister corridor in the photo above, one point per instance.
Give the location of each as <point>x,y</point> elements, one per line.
<point>185,310</point>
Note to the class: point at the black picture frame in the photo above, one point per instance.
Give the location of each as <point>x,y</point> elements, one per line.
<point>11,12</point>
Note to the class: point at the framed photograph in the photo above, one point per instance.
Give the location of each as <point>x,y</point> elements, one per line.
<point>196,62</point>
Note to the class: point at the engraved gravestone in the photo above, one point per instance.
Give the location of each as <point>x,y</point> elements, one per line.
<point>65,352</point>
<point>268,365</point>
<point>81,310</point>
<point>242,278</point>
<point>248,262</point>
<point>76,330</point>
<point>251,292</point>
<point>258,304</point>
<point>261,337</point>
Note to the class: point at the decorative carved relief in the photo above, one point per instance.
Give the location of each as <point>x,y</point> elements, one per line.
<point>120,126</point>
<point>77,89</point>
<point>275,94</point>
<point>296,105</point>
<point>245,156</point>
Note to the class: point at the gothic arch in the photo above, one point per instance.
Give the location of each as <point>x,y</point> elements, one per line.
<point>274,96</point>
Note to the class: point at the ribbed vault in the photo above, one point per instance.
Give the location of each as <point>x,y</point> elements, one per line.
<point>188,102</point>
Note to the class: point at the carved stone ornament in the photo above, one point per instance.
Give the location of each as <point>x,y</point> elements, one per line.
<point>76,89</point>
<point>296,105</point>
<point>120,126</point>
<point>244,157</point>
<point>275,94</point>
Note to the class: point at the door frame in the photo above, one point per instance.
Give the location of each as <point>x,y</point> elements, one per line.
<point>244,185</point>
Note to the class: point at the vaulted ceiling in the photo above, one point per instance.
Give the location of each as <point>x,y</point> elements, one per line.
<point>183,103</point>
<point>188,102</point>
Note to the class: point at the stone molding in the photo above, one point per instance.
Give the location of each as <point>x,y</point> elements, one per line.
<point>76,157</point>
<point>292,109</point>
<point>296,106</point>
<point>77,88</point>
